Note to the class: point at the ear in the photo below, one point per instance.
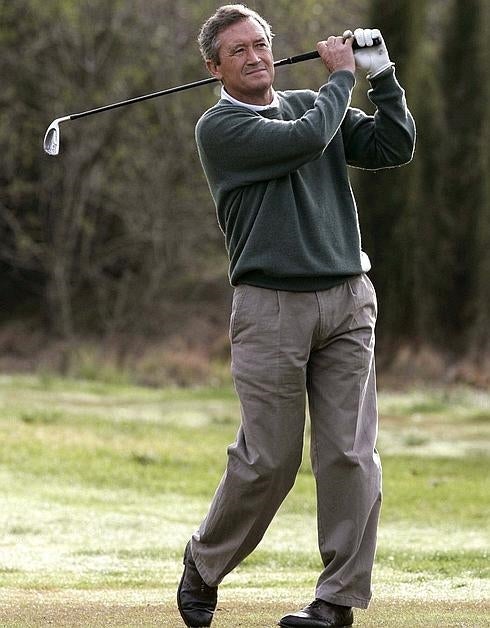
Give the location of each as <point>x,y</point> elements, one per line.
<point>214,69</point>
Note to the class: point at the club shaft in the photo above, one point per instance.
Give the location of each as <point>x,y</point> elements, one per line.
<point>180,88</point>
<point>123,103</point>
<point>306,56</point>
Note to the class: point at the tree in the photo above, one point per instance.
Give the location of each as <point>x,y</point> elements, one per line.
<point>107,228</point>
<point>481,335</point>
<point>464,81</point>
<point>119,232</point>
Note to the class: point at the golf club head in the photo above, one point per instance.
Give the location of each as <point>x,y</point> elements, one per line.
<point>52,136</point>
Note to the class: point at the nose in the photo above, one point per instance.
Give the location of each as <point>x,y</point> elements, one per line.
<point>252,57</point>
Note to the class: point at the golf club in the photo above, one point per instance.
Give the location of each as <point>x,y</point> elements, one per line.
<point>52,136</point>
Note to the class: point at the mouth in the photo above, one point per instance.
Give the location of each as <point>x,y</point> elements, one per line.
<point>256,71</point>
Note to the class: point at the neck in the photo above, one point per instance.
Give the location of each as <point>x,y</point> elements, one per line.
<point>260,100</point>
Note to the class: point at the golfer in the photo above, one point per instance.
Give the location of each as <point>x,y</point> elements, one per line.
<point>304,309</point>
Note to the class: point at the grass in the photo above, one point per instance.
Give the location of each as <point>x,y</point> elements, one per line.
<point>102,484</point>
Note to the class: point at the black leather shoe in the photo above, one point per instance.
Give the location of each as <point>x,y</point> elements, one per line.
<point>320,614</point>
<point>195,599</point>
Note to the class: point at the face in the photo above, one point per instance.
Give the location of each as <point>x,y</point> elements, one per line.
<point>246,65</point>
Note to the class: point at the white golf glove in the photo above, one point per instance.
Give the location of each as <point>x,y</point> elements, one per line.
<point>373,59</point>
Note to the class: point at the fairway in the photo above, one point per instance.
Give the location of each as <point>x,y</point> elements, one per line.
<point>102,485</point>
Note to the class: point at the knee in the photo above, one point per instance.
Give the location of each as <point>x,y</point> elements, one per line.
<point>348,461</point>
<point>267,468</point>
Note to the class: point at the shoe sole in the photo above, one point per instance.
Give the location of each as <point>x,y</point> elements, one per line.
<point>282,625</point>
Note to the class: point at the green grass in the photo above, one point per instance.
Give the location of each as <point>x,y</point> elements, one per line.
<point>102,484</point>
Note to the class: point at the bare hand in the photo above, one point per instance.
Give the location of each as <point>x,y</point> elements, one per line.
<point>337,54</point>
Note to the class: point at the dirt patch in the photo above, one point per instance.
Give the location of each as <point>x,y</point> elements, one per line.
<point>28,609</point>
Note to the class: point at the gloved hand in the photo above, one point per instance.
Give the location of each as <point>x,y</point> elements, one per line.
<point>373,59</point>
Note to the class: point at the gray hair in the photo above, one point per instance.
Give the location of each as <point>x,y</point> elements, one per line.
<point>225,16</point>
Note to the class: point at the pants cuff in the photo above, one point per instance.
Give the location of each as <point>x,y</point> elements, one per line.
<point>344,600</point>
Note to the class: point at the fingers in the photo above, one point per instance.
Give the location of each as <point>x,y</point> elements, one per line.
<point>366,36</point>
<point>337,54</point>
<point>348,34</point>
<point>335,42</point>
<point>334,46</point>
<point>360,37</point>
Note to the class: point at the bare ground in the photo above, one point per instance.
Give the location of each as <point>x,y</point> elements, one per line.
<point>112,609</point>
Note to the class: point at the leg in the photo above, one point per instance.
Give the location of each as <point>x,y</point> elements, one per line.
<point>342,400</point>
<point>271,333</point>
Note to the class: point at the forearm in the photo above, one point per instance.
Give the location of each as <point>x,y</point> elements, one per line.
<point>386,139</point>
<point>251,147</point>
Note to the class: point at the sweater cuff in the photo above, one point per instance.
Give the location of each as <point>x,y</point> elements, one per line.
<point>384,73</point>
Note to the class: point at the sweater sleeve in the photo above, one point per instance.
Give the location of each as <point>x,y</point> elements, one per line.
<point>387,138</point>
<point>249,147</point>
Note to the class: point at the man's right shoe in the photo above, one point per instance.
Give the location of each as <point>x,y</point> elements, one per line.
<point>319,614</point>
<point>195,599</point>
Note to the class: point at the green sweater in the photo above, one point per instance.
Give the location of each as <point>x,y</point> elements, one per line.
<point>279,179</point>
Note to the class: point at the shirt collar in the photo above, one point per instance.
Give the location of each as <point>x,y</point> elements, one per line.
<point>274,103</point>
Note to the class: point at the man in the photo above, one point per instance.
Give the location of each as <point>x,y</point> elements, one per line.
<point>303,313</point>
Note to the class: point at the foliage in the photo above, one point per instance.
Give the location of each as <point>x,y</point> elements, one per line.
<point>109,237</point>
<point>108,227</point>
<point>427,224</point>
<point>465,188</point>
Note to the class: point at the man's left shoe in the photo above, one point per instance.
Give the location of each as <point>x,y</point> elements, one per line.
<point>319,614</point>
<point>196,600</point>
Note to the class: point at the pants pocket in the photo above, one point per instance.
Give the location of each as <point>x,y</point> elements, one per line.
<point>237,301</point>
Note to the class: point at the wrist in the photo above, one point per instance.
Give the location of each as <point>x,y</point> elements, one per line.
<point>378,71</point>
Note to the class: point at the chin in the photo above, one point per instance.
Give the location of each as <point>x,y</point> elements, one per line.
<point>262,85</point>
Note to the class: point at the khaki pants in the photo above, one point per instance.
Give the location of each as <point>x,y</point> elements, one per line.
<point>289,347</point>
